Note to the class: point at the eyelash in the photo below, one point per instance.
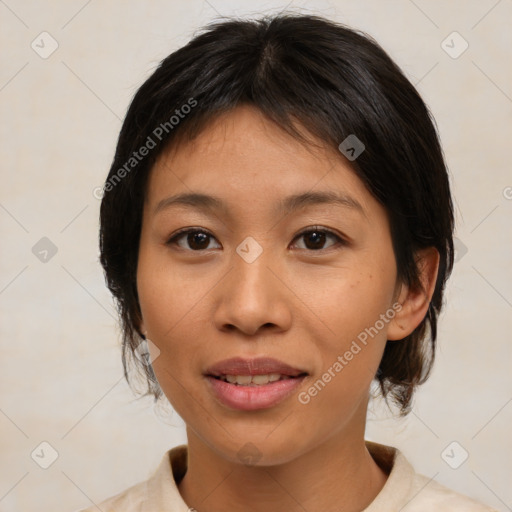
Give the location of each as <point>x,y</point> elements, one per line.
<point>314,229</point>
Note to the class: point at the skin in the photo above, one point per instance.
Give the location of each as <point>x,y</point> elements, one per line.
<point>295,303</point>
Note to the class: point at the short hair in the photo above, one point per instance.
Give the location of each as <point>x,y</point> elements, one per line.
<point>334,81</point>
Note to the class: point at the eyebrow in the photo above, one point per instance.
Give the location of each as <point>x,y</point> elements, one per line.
<point>283,207</point>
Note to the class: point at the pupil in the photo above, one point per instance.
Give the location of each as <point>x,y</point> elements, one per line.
<point>318,239</point>
<point>201,237</point>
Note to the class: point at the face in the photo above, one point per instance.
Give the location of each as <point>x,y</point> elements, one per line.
<point>255,287</point>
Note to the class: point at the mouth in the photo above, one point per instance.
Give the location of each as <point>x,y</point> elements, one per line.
<point>255,380</point>
<point>250,384</point>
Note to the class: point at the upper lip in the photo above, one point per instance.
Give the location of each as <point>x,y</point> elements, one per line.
<point>256,366</point>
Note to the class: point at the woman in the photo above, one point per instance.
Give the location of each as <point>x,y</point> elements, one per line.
<point>276,228</point>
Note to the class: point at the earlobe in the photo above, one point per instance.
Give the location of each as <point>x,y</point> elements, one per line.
<point>415,301</point>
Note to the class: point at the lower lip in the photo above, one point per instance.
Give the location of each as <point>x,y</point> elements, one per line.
<point>251,398</point>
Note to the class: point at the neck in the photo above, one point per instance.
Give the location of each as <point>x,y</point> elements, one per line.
<point>315,481</point>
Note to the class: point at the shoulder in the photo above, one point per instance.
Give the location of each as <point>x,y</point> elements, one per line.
<point>158,492</point>
<point>408,491</point>
<point>129,500</point>
<point>427,495</point>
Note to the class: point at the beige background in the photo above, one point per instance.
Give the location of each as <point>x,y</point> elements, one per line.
<point>60,368</point>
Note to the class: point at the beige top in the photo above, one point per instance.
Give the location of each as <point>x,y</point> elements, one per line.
<point>404,491</point>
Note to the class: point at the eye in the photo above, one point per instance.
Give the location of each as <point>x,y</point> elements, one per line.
<point>198,239</point>
<point>315,238</point>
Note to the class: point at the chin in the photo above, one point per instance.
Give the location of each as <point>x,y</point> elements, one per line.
<point>260,451</point>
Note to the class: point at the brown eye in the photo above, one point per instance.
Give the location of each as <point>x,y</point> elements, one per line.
<point>199,240</point>
<point>314,239</point>
<point>196,239</point>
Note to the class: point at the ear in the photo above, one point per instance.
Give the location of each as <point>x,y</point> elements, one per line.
<point>415,301</point>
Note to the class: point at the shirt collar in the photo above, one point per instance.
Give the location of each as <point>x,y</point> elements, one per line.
<point>162,491</point>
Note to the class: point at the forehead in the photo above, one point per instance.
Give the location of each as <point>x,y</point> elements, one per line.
<point>247,159</point>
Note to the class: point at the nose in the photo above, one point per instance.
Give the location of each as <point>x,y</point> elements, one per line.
<point>252,297</point>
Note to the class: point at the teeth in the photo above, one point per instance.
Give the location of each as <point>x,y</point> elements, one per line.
<point>260,379</point>
<point>256,380</point>
<point>243,379</point>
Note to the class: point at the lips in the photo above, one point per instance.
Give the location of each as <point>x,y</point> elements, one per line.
<point>258,366</point>
<point>250,384</point>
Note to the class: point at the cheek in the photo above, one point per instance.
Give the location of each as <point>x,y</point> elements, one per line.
<point>166,306</point>
<point>351,303</point>
<point>166,296</point>
<point>348,357</point>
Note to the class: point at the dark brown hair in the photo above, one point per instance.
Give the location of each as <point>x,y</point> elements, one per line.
<point>335,82</point>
